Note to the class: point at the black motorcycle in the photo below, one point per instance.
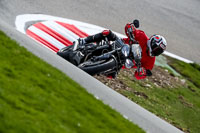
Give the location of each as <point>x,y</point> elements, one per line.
<point>103,58</point>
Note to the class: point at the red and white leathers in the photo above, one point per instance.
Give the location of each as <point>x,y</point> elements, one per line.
<point>147,61</point>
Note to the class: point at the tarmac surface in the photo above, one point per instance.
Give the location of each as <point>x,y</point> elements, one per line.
<point>177,20</point>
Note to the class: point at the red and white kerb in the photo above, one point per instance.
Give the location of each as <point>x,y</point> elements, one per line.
<point>55,35</point>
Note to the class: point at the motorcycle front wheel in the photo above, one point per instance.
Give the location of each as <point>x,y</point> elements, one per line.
<point>98,67</point>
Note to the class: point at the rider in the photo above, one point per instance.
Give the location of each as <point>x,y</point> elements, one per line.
<point>151,47</point>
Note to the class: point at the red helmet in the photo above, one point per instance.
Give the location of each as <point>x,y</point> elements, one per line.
<point>157,45</point>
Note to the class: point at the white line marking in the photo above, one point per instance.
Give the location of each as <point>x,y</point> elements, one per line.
<point>90,29</point>
<point>177,57</point>
<point>21,21</point>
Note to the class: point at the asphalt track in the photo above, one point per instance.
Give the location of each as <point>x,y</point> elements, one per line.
<point>177,20</point>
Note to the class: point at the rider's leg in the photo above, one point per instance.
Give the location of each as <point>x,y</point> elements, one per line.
<point>95,38</point>
<point>101,36</point>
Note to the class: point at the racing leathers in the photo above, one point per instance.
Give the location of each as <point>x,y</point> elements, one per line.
<point>147,62</point>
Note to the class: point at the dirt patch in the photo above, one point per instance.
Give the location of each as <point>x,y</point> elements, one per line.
<point>161,78</point>
<point>115,84</point>
<point>184,102</point>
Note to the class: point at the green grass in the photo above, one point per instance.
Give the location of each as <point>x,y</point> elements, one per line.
<point>178,105</point>
<point>37,98</point>
<point>190,71</point>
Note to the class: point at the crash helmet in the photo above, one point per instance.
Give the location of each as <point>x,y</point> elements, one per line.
<point>156,45</point>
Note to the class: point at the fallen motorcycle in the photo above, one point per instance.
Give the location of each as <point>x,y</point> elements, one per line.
<point>103,58</point>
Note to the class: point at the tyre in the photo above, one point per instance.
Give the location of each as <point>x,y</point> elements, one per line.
<point>93,68</point>
<point>64,52</point>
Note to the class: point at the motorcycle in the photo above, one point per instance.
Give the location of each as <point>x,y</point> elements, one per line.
<point>103,58</point>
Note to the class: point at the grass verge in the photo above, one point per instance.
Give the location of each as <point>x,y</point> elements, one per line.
<point>35,97</point>
<point>175,99</point>
<point>190,71</point>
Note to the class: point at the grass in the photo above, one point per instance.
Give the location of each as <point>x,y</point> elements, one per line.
<point>35,97</point>
<point>190,71</point>
<point>179,105</point>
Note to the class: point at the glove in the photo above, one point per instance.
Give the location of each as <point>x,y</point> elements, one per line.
<point>140,73</point>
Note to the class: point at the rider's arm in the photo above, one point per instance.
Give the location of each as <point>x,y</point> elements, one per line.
<point>147,64</point>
